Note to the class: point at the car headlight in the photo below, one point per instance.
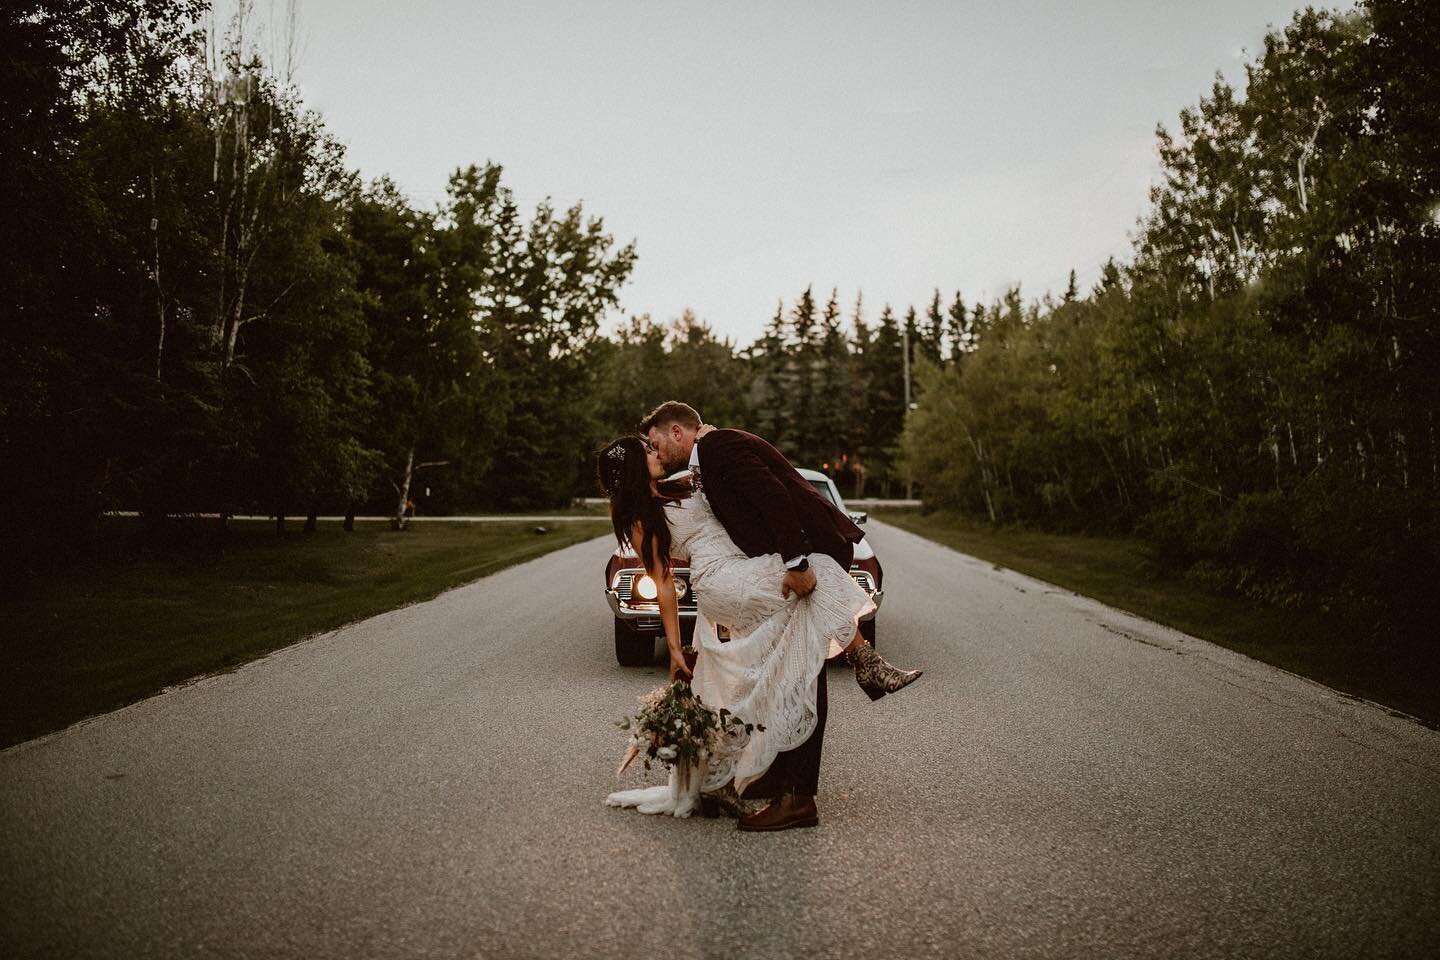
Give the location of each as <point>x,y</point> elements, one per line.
<point>647,589</point>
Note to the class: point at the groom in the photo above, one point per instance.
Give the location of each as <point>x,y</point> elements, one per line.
<point>766,507</point>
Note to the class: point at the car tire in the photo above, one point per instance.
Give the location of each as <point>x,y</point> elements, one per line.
<point>867,630</point>
<point>632,647</point>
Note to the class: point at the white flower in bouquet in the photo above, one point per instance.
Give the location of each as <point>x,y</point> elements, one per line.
<point>676,728</point>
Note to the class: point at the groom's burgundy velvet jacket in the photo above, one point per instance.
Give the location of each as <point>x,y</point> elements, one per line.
<point>765,505</point>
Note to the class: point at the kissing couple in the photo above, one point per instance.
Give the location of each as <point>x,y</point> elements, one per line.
<point>770,566</point>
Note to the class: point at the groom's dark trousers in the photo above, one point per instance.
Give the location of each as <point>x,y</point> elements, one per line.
<point>767,507</point>
<point>796,771</point>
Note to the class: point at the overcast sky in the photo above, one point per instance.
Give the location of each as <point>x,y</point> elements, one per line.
<point>752,148</point>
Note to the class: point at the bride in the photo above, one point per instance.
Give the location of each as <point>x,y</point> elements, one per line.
<point>759,647</point>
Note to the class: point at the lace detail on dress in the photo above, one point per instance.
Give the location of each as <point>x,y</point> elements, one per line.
<point>766,672</point>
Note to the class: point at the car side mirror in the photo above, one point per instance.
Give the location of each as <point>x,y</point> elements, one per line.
<point>859,517</point>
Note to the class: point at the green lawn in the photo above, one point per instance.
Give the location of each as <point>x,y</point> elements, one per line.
<point>115,630</point>
<point>1338,648</point>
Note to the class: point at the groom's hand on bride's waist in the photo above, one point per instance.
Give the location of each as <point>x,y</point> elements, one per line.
<point>799,582</point>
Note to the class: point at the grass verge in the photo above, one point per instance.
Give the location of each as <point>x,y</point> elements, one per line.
<point>1335,647</point>
<point>118,629</point>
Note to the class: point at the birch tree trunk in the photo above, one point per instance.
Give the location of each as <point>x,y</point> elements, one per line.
<point>155,275</point>
<point>397,522</point>
<point>1307,149</point>
<point>984,472</point>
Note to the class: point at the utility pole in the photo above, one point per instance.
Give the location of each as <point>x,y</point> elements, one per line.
<point>905,349</point>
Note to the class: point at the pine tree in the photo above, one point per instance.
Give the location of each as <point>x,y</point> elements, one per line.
<point>914,340</point>
<point>979,321</point>
<point>772,382</point>
<point>933,334</point>
<point>804,439</point>
<point>884,414</point>
<point>957,324</point>
<point>836,385</point>
<point>858,403</point>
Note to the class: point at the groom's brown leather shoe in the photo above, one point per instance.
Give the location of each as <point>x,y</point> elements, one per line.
<point>783,813</point>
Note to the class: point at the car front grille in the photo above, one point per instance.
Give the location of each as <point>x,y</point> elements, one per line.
<point>864,579</point>
<point>625,584</point>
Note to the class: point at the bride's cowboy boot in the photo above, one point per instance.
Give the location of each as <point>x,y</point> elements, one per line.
<point>724,802</point>
<point>875,676</point>
<point>785,812</point>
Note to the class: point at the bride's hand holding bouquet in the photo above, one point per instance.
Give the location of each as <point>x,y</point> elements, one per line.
<point>682,662</point>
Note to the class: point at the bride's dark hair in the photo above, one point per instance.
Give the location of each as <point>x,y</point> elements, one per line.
<point>624,475</point>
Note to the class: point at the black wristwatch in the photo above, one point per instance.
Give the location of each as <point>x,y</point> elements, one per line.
<point>802,566</point>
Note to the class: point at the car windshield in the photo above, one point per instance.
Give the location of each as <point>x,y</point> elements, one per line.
<point>826,490</point>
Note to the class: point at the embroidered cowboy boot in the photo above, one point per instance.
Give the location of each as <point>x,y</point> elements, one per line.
<point>875,676</point>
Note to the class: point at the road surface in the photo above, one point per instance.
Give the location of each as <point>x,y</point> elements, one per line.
<point>1065,781</point>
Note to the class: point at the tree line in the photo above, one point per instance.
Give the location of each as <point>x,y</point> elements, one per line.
<point>1256,391</point>
<point>206,310</point>
<point>825,384</point>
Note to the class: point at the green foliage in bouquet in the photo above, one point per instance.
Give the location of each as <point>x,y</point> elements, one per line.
<point>675,727</point>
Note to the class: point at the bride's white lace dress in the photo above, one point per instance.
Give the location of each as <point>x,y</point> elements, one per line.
<point>766,672</point>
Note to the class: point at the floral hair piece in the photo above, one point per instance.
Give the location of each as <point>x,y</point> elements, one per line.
<point>612,464</point>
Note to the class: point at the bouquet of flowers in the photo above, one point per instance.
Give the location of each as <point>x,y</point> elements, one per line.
<point>676,729</point>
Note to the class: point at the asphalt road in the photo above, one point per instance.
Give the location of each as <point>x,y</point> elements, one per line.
<point>1065,781</point>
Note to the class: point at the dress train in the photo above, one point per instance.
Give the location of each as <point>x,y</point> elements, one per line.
<point>680,797</point>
